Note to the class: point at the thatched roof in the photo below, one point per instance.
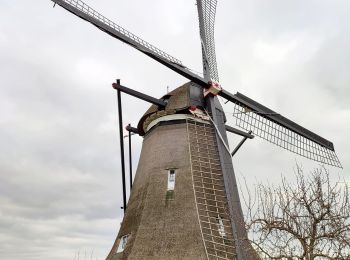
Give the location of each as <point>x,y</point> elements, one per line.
<point>178,101</point>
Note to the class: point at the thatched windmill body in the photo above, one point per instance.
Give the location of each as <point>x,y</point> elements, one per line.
<point>184,203</point>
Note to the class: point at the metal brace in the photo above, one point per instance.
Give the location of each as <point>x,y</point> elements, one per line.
<point>241,143</point>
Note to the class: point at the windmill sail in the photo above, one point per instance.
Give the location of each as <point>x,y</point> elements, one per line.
<point>206,16</point>
<point>257,118</point>
<point>271,126</point>
<point>84,11</point>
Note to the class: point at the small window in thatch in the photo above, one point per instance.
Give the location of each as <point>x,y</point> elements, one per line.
<point>122,243</point>
<point>221,227</point>
<point>171,179</point>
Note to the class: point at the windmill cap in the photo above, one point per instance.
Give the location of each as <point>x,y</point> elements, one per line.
<point>187,96</point>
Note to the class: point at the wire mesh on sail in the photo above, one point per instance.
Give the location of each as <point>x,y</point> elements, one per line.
<point>89,11</point>
<point>206,15</point>
<point>282,136</point>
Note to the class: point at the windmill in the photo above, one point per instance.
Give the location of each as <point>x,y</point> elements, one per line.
<point>184,202</point>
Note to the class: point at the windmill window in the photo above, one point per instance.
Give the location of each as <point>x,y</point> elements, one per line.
<point>122,243</point>
<point>221,227</point>
<point>171,179</point>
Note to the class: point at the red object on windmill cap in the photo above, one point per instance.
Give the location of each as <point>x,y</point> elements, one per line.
<point>193,108</point>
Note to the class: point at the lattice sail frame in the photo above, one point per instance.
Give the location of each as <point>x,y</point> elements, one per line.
<point>206,15</point>
<point>88,10</point>
<point>282,136</point>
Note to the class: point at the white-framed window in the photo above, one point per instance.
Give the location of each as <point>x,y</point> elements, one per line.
<point>221,227</point>
<point>171,179</point>
<point>122,243</point>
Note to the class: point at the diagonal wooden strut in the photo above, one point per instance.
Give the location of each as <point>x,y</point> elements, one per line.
<point>240,144</point>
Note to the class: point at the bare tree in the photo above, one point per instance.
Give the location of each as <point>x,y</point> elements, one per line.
<point>308,219</point>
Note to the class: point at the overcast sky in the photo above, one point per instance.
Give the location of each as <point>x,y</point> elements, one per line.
<point>60,191</point>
